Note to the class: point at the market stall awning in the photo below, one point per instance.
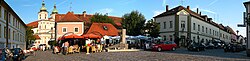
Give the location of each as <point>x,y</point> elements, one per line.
<point>73,36</point>
<point>90,35</point>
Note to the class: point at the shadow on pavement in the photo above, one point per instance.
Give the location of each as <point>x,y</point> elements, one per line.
<point>212,52</point>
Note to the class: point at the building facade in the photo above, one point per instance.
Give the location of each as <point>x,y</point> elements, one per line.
<point>48,28</point>
<point>43,27</point>
<point>187,25</point>
<point>16,28</point>
<point>69,24</point>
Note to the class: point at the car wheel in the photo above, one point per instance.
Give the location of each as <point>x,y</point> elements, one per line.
<point>173,49</point>
<point>159,49</point>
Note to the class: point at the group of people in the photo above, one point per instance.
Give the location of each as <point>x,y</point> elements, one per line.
<point>91,45</point>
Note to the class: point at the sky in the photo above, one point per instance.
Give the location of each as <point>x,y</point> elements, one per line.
<point>227,12</point>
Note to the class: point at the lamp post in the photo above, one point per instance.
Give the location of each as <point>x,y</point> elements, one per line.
<point>246,24</point>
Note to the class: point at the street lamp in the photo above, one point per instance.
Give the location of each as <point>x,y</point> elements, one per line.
<point>246,24</point>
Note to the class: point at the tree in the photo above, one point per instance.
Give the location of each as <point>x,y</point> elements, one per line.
<point>153,28</point>
<point>30,36</point>
<point>133,22</point>
<point>100,18</point>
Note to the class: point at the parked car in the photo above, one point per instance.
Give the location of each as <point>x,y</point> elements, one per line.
<point>18,54</point>
<point>196,47</point>
<point>218,44</point>
<point>209,45</point>
<point>167,45</point>
<point>233,47</point>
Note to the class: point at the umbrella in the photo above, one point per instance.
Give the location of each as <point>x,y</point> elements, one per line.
<point>73,36</point>
<point>91,36</point>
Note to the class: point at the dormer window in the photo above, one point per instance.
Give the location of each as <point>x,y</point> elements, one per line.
<point>105,27</point>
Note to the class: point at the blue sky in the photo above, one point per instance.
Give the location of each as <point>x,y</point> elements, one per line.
<point>227,12</point>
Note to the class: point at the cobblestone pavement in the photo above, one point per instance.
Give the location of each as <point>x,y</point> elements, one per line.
<point>178,55</point>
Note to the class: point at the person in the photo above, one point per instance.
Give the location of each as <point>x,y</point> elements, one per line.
<point>88,41</point>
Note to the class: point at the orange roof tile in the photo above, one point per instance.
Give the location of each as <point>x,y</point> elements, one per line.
<point>87,17</point>
<point>33,24</point>
<point>103,29</point>
<point>70,17</point>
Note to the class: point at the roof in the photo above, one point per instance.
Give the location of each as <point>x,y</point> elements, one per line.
<point>43,8</point>
<point>231,30</point>
<point>36,36</point>
<point>86,18</point>
<point>103,29</point>
<point>33,24</point>
<point>176,10</point>
<point>70,17</point>
<point>55,11</point>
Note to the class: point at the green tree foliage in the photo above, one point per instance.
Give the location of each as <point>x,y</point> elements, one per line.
<point>30,36</point>
<point>153,28</point>
<point>133,22</point>
<point>100,18</point>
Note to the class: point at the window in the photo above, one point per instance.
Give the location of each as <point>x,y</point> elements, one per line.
<point>193,26</point>
<point>13,35</point>
<point>183,24</point>
<point>170,24</point>
<point>9,18</point>
<point>9,33</point>
<point>5,32</point>
<point>220,35</point>
<point>40,16</point>
<point>164,38</point>
<point>45,26</point>
<point>0,31</point>
<point>76,29</point>
<point>0,12</point>
<point>206,29</point>
<point>210,31</point>
<point>64,29</point>
<point>13,20</point>
<point>164,25</point>
<point>213,32</point>
<point>202,28</point>
<point>170,36</point>
<point>5,15</point>
<point>198,27</point>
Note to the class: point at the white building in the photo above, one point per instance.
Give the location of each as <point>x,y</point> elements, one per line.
<point>16,28</point>
<point>44,26</point>
<point>189,25</point>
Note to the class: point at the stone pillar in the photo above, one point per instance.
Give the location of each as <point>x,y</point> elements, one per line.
<point>124,36</point>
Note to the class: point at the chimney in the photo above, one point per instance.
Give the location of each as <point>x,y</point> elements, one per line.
<point>205,18</point>
<point>84,13</point>
<point>200,13</point>
<point>166,8</point>
<point>197,10</point>
<point>188,7</point>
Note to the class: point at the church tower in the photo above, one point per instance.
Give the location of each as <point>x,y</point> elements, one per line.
<point>54,12</point>
<point>43,14</point>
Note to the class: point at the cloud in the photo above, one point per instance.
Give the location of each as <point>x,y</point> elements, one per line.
<point>157,12</point>
<point>27,5</point>
<point>58,4</point>
<point>164,3</point>
<point>208,11</point>
<point>105,10</point>
<point>212,2</point>
<point>203,10</point>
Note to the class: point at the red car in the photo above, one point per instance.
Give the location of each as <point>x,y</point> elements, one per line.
<point>167,45</point>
